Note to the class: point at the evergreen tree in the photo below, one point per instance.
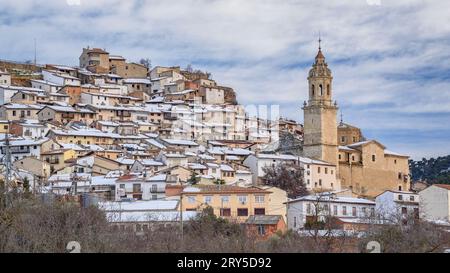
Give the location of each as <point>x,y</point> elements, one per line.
<point>193,180</point>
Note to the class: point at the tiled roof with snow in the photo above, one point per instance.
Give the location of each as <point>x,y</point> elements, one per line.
<point>139,205</point>
<point>182,142</point>
<point>137,81</point>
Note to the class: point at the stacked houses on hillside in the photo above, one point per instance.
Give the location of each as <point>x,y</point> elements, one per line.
<point>166,141</point>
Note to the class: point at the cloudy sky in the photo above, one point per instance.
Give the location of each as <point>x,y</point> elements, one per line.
<point>391,62</point>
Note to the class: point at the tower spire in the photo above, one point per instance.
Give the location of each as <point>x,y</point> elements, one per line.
<point>320,57</point>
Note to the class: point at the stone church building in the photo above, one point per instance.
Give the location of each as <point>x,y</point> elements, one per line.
<point>363,166</point>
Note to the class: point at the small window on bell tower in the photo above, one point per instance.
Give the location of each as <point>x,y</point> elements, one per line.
<point>312,89</point>
<point>321,91</point>
<point>328,89</point>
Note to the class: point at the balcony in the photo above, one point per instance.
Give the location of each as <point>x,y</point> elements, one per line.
<point>52,160</point>
<point>17,150</point>
<point>170,116</point>
<point>68,115</point>
<point>123,114</point>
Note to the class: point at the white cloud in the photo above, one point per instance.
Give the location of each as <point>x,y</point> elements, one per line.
<point>386,59</point>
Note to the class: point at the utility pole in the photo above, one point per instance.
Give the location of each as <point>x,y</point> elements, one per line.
<point>181,217</point>
<point>7,161</point>
<point>34,184</point>
<point>74,182</point>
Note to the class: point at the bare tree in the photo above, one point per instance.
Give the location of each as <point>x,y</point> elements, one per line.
<point>286,176</point>
<point>146,62</point>
<point>322,225</point>
<point>189,68</point>
<point>27,224</point>
<point>400,233</point>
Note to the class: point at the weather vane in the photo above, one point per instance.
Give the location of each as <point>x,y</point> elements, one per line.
<point>320,40</point>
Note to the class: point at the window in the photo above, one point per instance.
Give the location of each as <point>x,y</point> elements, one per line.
<point>353,158</point>
<point>328,89</point>
<point>342,139</point>
<point>400,197</point>
<point>225,212</point>
<point>307,181</point>
<point>242,199</point>
<point>411,198</point>
<point>416,213</point>
<point>136,187</point>
<point>122,186</point>
<point>399,175</point>
<point>242,212</point>
<point>261,230</point>
<point>339,156</point>
<point>320,90</point>
<point>225,199</point>
<point>335,210</point>
<point>260,211</point>
<point>295,221</point>
<point>308,208</point>
<point>404,210</point>
<point>191,199</point>
<point>372,212</point>
<point>320,182</point>
<point>373,158</point>
<point>312,89</point>
<point>154,188</point>
<point>208,199</point>
<point>363,210</point>
<point>344,210</point>
<point>399,188</point>
<point>318,169</point>
<point>259,198</point>
<point>354,211</point>
<point>326,170</point>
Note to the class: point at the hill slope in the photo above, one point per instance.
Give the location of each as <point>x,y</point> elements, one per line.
<point>433,170</point>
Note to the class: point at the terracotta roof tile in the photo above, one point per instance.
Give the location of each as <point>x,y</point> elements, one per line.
<point>444,186</point>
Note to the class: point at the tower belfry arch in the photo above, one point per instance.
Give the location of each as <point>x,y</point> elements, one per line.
<point>320,113</point>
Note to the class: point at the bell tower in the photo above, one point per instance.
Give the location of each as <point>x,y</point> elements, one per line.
<point>320,125</point>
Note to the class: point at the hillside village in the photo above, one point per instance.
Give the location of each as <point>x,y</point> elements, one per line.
<point>160,144</point>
